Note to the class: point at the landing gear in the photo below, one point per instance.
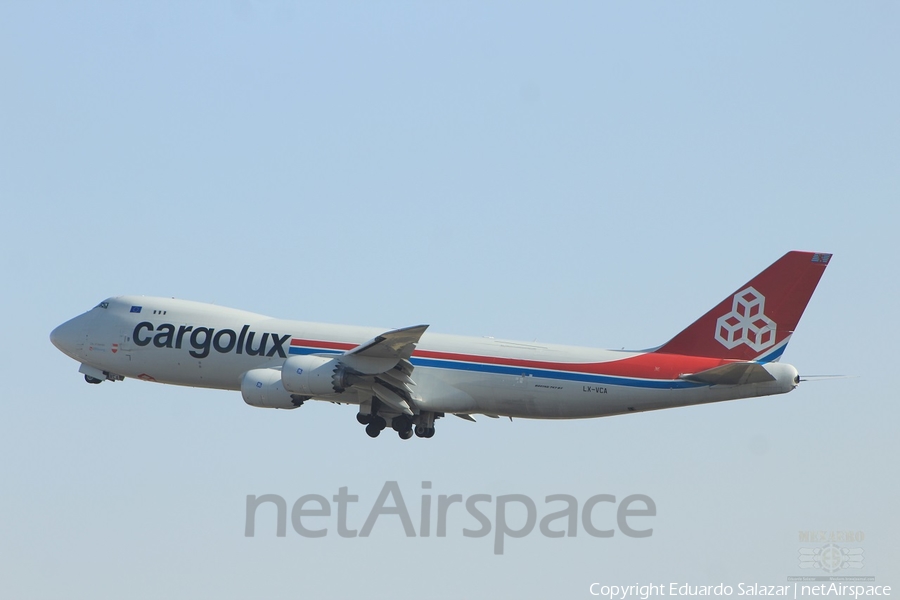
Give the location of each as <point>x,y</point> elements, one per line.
<point>401,423</point>
<point>94,376</point>
<point>424,432</point>
<point>403,426</point>
<point>420,425</point>
<point>374,423</point>
<point>425,424</point>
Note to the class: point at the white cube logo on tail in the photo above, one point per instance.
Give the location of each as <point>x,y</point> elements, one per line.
<point>746,323</point>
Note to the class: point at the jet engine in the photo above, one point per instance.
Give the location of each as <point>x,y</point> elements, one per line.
<point>309,375</point>
<point>263,388</point>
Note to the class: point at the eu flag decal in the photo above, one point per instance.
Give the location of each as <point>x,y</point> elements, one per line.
<point>136,309</point>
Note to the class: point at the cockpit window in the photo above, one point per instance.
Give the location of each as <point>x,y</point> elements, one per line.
<point>103,305</point>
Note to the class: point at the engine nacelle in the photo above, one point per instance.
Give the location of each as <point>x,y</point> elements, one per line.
<point>263,388</point>
<point>308,375</point>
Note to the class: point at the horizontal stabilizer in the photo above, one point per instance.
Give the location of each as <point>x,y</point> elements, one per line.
<point>731,374</point>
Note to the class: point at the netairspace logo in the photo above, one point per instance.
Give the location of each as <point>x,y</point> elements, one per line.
<point>390,507</point>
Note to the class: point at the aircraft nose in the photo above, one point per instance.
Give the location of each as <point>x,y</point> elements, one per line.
<point>68,337</point>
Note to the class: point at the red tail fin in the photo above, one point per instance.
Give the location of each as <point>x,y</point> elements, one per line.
<point>756,322</point>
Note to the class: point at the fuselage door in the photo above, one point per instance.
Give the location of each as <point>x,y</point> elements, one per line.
<point>123,344</point>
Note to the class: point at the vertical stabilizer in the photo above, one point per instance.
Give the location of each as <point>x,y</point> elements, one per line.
<point>757,320</point>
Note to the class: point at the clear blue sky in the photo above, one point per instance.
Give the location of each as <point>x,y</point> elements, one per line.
<point>595,174</point>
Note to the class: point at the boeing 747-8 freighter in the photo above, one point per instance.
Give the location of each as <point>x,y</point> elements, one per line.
<point>406,378</point>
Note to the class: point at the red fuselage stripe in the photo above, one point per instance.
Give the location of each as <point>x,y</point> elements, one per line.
<point>650,365</point>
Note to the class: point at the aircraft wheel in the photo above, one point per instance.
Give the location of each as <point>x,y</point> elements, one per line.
<point>405,434</point>
<point>421,431</point>
<point>401,424</point>
<point>373,430</point>
<point>363,419</point>
<point>90,379</point>
<point>429,432</point>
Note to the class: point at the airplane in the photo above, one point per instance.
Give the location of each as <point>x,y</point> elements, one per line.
<point>407,378</point>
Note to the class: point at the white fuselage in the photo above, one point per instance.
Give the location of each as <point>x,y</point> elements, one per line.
<point>194,344</point>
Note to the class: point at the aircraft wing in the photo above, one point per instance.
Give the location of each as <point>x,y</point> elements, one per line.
<point>385,351</point>
<point>398,343</point>
<point>735,373</point>
<point>381,367</point>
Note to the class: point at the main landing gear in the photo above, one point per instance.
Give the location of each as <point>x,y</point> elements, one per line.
<point>403,426</point>
<point>425,424</point>
<point>422,425</point>
<point>374,424</point>
<point>424,432</point>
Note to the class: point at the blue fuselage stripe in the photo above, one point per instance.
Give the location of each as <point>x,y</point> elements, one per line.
<point>774,355</point>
